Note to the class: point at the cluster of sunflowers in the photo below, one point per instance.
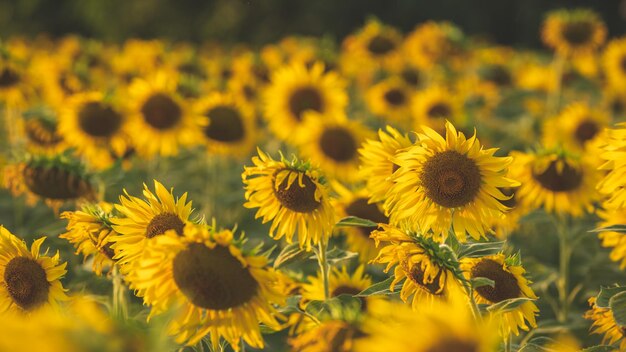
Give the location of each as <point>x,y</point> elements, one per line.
<point>408,239</point>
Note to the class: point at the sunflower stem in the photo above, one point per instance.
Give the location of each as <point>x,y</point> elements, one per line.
<point>120,306</point>
<point>554,97</point>
<point>565,252</point>
<point>507,344</point>
<point>324,268</point>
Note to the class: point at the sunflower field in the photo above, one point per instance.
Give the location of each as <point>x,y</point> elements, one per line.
<point>420,191</point>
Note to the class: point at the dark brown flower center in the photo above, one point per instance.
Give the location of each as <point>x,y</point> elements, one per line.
<point>26,282</point>
<point>568,179</point>
<point>380,45</point>
<point>369,211</point>
<point>411,77</point>
<point>623,64</point>
<point>395,97</point>
<point>262,73</point>
<point>192,69</point>
<point>55,183</point>
<point>213,278</point>
<point>453,345</point>
<point>498,75</point>
<point>8,78</point>
<point>416,275</point>
<point>505,283</point>
<point>225,124</point>
<point>164,222</point>
<point>297,198</point>
<point>304,99</point>
<point>618,107</point>
<point>345,290</point>
<point>42,133</point>
<point>249,92</point>
<point>338,144</point>
<point>451,179</point>
<point>586,130</point>
<point>578,33</point>
<point>99,120</point>
<point>439,111</point>
<point>161,111</point>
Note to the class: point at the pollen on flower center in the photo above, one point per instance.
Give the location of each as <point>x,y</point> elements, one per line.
<point>99,120</point>
<point>225,124</point>
<point>569,178</point>
<point>297,198</point>
<point>164,222</point>
<point>451,179</point>
<point>213,278</point>
<point>505,287</point>
<point>303,99</point>
<point>161,112</point>
<point>338,144</point>
<point>26,282</point>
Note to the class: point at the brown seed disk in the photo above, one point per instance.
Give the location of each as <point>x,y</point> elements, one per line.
<point>296,198</point>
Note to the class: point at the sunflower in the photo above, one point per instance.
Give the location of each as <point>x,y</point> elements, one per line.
<point>419,261</point>
<point>573,31</point>
<point>614,63</point>
<point>143,219</point>
<point>294,90</point>
<point>291,194</point>
<point>90,231</point>
<point>54,179</point>
<point>560,182</point>
<point>536,77</point>
<point>479,97</point>
<point>434,106</point>
<point>577,128</point>
<point>439,326</point>
<point>376,44</point>
<point>164,119</point>
<point>212,284</point>
<point>613,183</point>
<point>340,282</point>
<point>332,144</point>
<point>42,134</point>
<point>604,323</point>
<point>509,283</point>
<point>450,183</point>
<point>431,43</point>
<point>351,203</point>
<point>376,161</point>
<point>328,336</point>
<point>504,225</point>
<point>246,89</point>
<point>95,126</point>
<point>28,280</point>
<point>228,124</point>
<point>615,103</point>
<point>391,100</point>
<point>14,86</point>
<point>614,240</point>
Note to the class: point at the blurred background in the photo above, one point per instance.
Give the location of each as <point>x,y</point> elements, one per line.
<point>512,22</point>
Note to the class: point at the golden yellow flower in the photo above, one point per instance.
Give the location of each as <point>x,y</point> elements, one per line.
<point>15,88</point>
<point>509,283</point>
<point>431,43</point>
<point>376,45</point>
<point>571,32</point>
<point>604,323</point>
<point>211,284</point>
<point>328,336</point>
<point>610,239</point>
<point>434,106</point>
<point>340,282</point>
<point>443,184</point>
<point>28,279</point>
<point>391,100</point>
<point>614,182</point>
<point>614,63</point>
<point>42,135</point>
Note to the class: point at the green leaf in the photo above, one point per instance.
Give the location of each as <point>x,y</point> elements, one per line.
<point>600,348</point>
<point>479,249</point>
<point>612,228</point>
<point>291,253</point>
<point>603,298</point>
<point>482,281</point>
<point>333,305</point>
<point>337,255</point>
<point>381,288</point>
<point>355,221</point>
<point>508,304</point>
<point>617,303</point>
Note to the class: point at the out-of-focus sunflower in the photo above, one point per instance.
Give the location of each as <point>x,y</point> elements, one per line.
<point>161,121</point>
<point>96,127</point>
<point>560,182</point>
<point>55,179</point>
<point>434,106</point>
<point>614,183</point>
<point>578,128</point>
<point>332,144</point>
<point>431,43</point>
<point>391,99</point>
<point>614,63</point>
<point>247,90</point>
<point>295,90</point>
<point>509,221</point>
<point>376,161</point>
<point>442,326</point>
<point>450,183</point>
<point>573,31</point>
<point>14,85</point>
<point>478,97</point>
<point>213,286</point>
<point>351,203</point>
<point>340,282</point>
<point>291,194</point>
<point>509,283</point>
<point>328,336</point>
<point>615,103</point>
<point>42,134</point>
<point>376,44</point>
<point>90,231</point>
<point>420,262</point>
<point>228,125</point>
<point>28,280</point>
<point>604,323</point>
<point>610,239</point>
<point>536,77</point>
<point>143,219</point>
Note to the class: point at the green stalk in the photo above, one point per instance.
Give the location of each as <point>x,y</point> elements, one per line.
<point>120,305</point>
<point>565,252</point>
<point>324,267</point>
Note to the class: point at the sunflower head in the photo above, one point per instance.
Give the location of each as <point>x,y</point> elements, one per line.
<point>434,106</point>
<point>293,195</point>
<point>604,323</point>
<point>614,63</point>
<point>578,127</point>
<point>576,31</point>
<point>42,134</point>
<point>391,99</point>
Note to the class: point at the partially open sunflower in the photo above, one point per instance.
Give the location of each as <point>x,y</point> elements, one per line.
<point>604,323</point>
